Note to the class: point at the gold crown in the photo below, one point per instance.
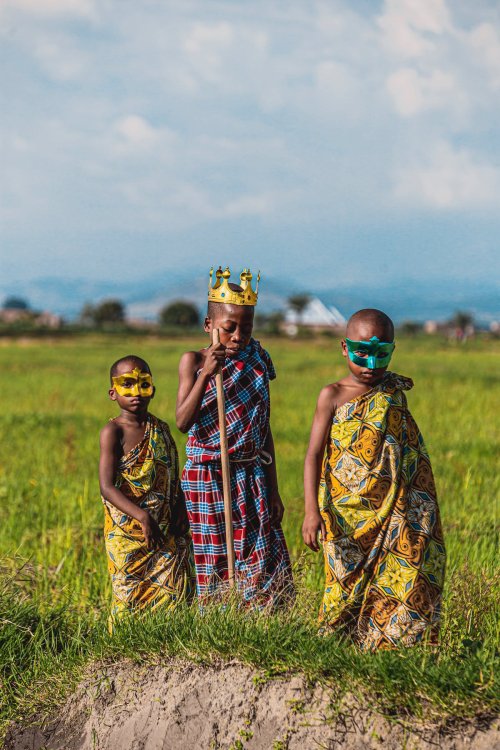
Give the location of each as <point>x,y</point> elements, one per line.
<point>222,292</point>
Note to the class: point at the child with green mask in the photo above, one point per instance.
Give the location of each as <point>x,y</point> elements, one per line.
<point>370,497</point>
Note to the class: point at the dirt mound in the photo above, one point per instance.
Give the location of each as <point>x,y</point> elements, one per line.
<point>174,706</point>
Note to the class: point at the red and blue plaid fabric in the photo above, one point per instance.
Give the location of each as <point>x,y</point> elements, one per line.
<point>263,571</point>
<point>246,389</point>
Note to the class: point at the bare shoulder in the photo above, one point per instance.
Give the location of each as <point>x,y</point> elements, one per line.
<point>328,397</point>
<point>190,362</point>
<point>110,433</point>
<point>110,428</point>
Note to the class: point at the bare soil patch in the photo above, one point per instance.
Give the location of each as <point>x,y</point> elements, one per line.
<point>231,706</point>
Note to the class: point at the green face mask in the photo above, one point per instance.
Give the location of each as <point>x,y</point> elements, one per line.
<point>372,354</point>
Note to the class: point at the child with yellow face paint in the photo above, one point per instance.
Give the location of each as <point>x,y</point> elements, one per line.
<point>146,529</point>
<point>370,497</point>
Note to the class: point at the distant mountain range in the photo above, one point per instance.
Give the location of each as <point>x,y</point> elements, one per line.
<point>417,300</point>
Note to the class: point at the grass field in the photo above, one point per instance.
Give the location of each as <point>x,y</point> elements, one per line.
<point>54,591</point>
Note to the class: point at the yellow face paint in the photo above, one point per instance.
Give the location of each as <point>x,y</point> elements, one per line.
<point>134,383</point>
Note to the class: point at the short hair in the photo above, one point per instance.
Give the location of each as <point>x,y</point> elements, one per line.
<point>372,315</point>
<point>132,358</point>
<point>213,308</point>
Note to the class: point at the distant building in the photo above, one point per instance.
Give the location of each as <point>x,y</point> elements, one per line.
<point>15,315</point>
<point>316,315</point>
<point>48,320</point>
<point>11,315</point>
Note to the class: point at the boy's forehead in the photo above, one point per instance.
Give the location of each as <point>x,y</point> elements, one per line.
<point>234,313</point>
<point>130,365</point>
<point>363,330</point>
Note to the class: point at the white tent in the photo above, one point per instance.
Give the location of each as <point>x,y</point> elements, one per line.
<point>316,314</point>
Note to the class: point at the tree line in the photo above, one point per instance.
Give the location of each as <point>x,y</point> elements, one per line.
<point>112,311</point>
<point>111,314</point>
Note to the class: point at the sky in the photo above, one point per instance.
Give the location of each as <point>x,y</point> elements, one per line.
<point>329,142</point>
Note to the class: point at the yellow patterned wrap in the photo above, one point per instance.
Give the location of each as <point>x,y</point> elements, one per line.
<point>384,550</point>
<point>149,476</point>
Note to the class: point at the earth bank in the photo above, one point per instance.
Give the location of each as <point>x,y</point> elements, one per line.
<point>232,707</point>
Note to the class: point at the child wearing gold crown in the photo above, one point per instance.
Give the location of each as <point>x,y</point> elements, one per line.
<point>262,564</point>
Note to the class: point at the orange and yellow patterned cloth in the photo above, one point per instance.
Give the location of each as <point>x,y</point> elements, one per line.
<point>384,550</point>
<point>149,476</point>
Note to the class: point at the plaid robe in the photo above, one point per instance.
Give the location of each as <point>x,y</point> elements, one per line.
<point>262,565</point>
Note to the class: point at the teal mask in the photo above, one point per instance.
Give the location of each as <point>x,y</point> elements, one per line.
<point>372,354</point>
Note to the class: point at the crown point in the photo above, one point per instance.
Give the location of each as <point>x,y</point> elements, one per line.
<point>221,291</point>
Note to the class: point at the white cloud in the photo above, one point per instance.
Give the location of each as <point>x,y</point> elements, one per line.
<point>206,46</point>
<point>450,179</point>
<point>335,81</point>
<point>408,24</point>
<point>234,60</point>
<point>413,93</point>
<point>52,8</point>
<point>136,132</point>
<point>206,40</point>
<point>250,205</point>
<point>172,114</point>
<point>484,42</point>
<point>59,58</point>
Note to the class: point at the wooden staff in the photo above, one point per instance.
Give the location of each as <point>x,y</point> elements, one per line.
<point>226,477</point>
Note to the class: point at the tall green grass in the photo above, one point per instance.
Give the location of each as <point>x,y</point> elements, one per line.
<point>55,589</point>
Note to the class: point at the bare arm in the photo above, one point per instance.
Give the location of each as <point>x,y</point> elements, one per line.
<point>313,523</point>
<point>191,388</point>
<point>109,443</point>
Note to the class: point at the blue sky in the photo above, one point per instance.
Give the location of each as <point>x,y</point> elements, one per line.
<point>333,141</point>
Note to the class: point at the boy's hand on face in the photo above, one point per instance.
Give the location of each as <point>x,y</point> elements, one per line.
<point>277,508</point>
<point>153,534</point>
<point>312,526</point>
<point>214,358</point>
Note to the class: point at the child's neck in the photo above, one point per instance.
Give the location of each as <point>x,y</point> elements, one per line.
<point>134,419</point>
